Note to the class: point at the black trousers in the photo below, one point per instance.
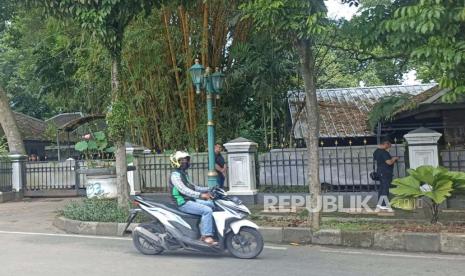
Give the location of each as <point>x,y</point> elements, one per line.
<point>385,183</point>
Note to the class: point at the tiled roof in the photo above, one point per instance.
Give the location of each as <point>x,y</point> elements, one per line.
<point>344,111</point>
<point>64,118</point>
<point>31,128</point>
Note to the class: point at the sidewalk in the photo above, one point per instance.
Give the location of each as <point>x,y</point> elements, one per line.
<point>31,215</point>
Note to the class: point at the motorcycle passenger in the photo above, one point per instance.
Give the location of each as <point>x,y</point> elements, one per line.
<point>190,198</point>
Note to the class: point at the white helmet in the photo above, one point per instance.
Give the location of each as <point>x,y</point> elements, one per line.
<point>176,157</point>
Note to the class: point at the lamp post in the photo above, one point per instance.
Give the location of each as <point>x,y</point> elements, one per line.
<point>212,84</point>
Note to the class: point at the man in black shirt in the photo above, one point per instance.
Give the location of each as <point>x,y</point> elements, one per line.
<point>384,167</point>
<point>220,166</point>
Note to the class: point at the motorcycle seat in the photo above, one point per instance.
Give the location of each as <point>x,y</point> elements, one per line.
<point>174,209</point>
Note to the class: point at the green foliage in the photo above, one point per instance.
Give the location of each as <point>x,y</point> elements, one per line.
<point>51,65</point>
<point>95,145</point>
<point>436,184</point>
<point>430,32</point>
<point>384,109</point>
<point>118,120</point>
<point>100,210</point>
<point>3,146</point>
<point>292,18</point>
<point>105,19</point>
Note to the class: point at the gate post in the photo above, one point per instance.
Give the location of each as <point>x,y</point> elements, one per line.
<point>133,175</point>
<point>423,147</point>
<point>241,172</point>
<point>18,173</point>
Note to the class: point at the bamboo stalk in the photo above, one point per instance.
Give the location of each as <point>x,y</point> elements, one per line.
<point>174,65</point>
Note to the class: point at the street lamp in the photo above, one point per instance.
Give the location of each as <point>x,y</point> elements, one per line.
<point>213,84</point>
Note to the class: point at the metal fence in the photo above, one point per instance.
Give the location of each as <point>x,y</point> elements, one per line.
<point>6,171</point>
<point>54,175</point>
<point>154,170</point>
<point>341,168</point>
<point>453,158</point>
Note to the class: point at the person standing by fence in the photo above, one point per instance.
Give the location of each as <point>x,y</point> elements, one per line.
<point>220,165</point>
<point>385,170</point>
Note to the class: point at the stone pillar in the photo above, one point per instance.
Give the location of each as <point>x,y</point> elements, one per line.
<point>241,169</point>
<point>133,176</point>
<point>423,147</point>
<point>18,174</point>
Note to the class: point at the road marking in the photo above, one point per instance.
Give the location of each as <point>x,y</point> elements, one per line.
<point>394,255</point>
<point>275,247</point>
<point>96,237</point>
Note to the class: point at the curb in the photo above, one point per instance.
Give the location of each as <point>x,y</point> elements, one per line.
<point>10,196</point>
<point>91,228</point>
<point>408,241</point>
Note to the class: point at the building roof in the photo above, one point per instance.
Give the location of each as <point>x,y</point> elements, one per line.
<point>64,118</point>
<point>31,128</point>
<point>344,111</point>
<point>77,122</point>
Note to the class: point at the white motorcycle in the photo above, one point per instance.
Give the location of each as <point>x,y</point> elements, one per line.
<point>172,229</point>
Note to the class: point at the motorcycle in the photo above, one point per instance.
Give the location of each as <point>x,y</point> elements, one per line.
<point>171,229</point>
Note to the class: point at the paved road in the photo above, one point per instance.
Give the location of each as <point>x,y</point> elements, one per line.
<point>53,254</point>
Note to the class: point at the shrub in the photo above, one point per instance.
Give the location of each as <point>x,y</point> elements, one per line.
<point>435,184</point>
<point>101,210</point>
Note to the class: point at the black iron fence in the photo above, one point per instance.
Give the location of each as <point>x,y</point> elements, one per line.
<point>46,175</point>
<point>341,168</point>
<point>453,158</point>
<point>154,170</point>
<point>6,172</point>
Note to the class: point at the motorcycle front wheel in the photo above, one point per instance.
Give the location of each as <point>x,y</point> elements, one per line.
<point>247,244</point>
<point>143,245</point>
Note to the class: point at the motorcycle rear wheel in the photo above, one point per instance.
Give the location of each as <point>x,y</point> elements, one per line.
<point>143,245</point>
<point>247,244</point>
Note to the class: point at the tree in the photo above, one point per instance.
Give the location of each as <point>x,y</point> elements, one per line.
<point>428,32</point>
<point>107,20</point>
<point>300,22</point>
<point>7,119</point>
<point>8,123</point>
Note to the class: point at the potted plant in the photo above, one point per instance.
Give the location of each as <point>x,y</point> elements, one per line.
<point>99,167</point>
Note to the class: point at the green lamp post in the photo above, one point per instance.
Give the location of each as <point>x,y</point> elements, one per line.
<point>213,84</point>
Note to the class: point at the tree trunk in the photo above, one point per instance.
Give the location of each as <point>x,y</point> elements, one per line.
<point>307,63</point>
<point>122,185</point>
<point>8,123</point>
<point>434,213</point>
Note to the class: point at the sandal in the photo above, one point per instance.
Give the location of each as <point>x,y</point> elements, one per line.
<point>209,240</point>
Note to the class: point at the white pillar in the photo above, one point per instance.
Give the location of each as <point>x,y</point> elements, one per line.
<point>18,173</point>
<point>423,147</point>
<point>133,177</point>
<point>241,167</point>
